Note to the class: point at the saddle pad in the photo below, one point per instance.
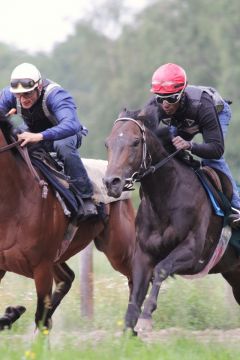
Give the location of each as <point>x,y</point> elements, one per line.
<point>65,193</point>
<point>96,169</point>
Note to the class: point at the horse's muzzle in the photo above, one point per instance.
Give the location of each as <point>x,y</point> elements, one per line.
<point>114,185</point>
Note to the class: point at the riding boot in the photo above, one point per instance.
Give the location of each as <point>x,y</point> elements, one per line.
<point>87,207</point>
<point>234,219</point>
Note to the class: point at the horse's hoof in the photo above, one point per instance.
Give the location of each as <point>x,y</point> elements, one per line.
<point>143,325</point>
<point>15,312</point>
<point>5,324</point>
<point>21,309</point>
<point>129,332</point>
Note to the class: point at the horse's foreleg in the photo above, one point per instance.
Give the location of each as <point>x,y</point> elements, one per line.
<point>150,305</point>
<point>141,276</point>
<point>43,277</point>
<point>63,277</point>
<point>12,313</point>
<point>180,259</point>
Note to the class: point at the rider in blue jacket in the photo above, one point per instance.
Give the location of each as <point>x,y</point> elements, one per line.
<point>50,116</point>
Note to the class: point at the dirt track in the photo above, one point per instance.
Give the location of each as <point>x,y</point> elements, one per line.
<point>78,337</point>
<point>208,335</point>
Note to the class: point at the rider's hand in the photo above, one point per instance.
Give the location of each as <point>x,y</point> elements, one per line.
<point>181,144</point>
<point>29,137</point>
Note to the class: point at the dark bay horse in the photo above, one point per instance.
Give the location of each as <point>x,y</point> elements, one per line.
<point>175,224</point>
<point>32,229</point>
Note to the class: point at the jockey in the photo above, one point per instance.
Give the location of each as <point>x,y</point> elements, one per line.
<point>50,117</point>
<point>190,110</point>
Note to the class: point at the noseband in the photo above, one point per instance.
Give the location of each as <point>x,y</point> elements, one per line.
<point>145,168</point>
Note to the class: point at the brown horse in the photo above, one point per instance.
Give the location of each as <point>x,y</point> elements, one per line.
<point>32,229</point>
<point>176,227</point>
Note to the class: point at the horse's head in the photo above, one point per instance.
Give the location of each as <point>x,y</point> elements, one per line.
<point>127,153</point>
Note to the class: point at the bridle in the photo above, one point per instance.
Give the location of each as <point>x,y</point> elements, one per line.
<point>146,167</point>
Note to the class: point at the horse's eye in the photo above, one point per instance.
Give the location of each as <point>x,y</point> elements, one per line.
<point>106,144</point>
<point>136,142</point>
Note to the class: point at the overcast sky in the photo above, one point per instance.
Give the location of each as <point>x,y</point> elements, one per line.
<point>35,25</point>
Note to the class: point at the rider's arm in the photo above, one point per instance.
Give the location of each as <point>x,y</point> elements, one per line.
<point>62,106</point>
<point>7,100</point>
<point>213,143</point>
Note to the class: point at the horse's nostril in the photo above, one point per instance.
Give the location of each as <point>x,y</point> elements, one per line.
<point>111,181</point>
<point>115,181</point>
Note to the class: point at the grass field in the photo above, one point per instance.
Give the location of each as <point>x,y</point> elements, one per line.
<point>186,308</point>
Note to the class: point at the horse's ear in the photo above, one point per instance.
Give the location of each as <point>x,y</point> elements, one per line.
<point>149,115</point>
<point>129,113</point>
<point>142,113</point>
<point>123,113</point>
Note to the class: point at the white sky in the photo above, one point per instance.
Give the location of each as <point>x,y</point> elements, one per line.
<point>35,25</point>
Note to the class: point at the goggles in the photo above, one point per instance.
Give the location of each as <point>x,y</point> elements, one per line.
<point>170,99</point>
<point>25,83</point>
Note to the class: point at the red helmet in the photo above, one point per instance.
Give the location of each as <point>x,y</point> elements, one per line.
<point>169,79</point>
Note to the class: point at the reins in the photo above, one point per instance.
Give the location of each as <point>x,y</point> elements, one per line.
<point>138,175</point>
<point>10,146</point>
<point>154,168</point>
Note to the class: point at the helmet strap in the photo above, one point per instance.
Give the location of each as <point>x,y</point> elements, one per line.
<point>39,90</point>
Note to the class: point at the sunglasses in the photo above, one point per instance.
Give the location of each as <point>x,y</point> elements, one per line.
<point>170,99</point>
<point>26,83</point>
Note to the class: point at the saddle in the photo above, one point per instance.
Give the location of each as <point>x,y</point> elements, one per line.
<point>218,187</point>
<point>216,183</point>
<point>53,173</point>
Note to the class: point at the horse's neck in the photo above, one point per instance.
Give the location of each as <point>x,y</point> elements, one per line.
<point>12,171</point>
<point>159,153</point>
<point>166,178</point>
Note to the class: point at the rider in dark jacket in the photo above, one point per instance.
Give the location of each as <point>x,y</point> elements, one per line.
<point>50,116</point>
<point>190,110</point>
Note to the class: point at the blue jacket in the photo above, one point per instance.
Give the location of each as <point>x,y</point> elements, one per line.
<point>59,103</point>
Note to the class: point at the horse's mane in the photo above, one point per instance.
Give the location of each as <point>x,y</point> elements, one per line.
<point>6,126</point>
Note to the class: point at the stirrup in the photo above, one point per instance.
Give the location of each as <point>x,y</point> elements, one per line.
<point>234,218</point>
<point>235,210</point>
<point>87,209</point>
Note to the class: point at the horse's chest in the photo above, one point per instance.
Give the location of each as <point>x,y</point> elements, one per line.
<point>159,242</point>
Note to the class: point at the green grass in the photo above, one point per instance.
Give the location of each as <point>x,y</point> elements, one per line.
<point>123,348</point>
